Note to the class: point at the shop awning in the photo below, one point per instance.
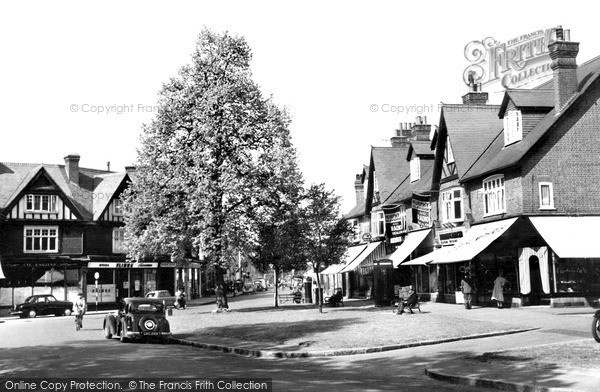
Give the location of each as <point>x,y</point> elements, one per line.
<point>1,272</point>
<point>425,259</point>
<point>363,255</point>
<point>412,241</point>
<point>353,253</point>
<point>476,239</point>
<point>570,236</point>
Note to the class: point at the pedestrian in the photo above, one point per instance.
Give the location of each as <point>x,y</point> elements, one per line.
<point>79,309</point>
<point>180,298</point>
<point>409,302</point>
<point>466,286</point>
<point>497,292</point>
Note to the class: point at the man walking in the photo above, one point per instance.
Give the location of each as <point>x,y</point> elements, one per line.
<point>466,286</point>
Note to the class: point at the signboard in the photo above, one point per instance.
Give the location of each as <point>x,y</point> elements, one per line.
<point>421,212</point>
<point>106,293</point>
<point>449,238</point>
<point>95,264</point>
<point>520,61</point>
<point>395,219</point>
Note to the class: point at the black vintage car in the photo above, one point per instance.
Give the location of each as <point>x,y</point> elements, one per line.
<point>42,304</point>
<point>138,318</point>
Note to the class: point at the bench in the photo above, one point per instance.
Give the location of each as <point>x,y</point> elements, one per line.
<point>294,297</point>
<point>403,296</point>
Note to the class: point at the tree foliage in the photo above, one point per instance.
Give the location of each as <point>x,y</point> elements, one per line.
<point>206,160</point>
<point>326,234</point>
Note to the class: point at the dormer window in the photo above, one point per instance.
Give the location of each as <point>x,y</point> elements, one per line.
<point>41,203</point>
<point>513,127</point>
<point>415,169</point>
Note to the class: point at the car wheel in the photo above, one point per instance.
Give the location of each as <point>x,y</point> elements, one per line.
<point>107,333</point>
<point>67,312</point>
<point>32,313</point>
<point>123,337</point>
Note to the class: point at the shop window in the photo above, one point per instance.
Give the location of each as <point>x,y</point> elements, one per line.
<point>513,127</point>
<point>494,195</point>
<point>546,196</point>
<point>40,239</point>
<point>118,240</point>
<point>452,207</point>
<point>40,203</point>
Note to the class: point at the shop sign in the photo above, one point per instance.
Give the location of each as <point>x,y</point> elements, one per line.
<point>422,210</point>
<point>395,218</point>
<point>96,264</point>
<point>524,60</point>
<point>167,265</point>
<point>104,292</point>
<point>451,237</point>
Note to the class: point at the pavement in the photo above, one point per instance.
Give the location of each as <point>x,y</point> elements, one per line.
<point>517,375</point>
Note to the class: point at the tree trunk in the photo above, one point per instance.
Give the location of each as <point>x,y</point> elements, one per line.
<point>319,292</point>
<point>276,288</point>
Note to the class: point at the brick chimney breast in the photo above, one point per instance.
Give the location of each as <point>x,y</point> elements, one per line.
<point>564,65</point>
<point>72,167</point>
<point>359,189</point>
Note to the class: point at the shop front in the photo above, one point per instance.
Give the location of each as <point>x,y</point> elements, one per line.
<point>109,281</point>
<point>25,276</point>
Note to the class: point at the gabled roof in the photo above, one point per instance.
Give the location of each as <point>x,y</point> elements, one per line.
<point>471,129</point>
<point>105,187</point>
<point>84,197</point>
<point>531,99</point>
<point>390,167</point>
<point>420,149</point>
<point>498,157</point>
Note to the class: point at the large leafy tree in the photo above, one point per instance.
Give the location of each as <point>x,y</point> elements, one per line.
<point>203,166</point>
<point>326,234</point>
<point>278,223</point>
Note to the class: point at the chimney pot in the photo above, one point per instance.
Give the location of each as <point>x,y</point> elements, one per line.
<point>559,33</point>
<point>72,167</point>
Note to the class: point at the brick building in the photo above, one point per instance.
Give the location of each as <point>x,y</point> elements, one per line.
<point>507,188</point>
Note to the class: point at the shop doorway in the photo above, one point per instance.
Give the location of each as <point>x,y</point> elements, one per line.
<point>535,297</point>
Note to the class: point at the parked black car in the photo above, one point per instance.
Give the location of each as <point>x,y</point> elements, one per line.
<point>138,318</point>
<point>42,304</point>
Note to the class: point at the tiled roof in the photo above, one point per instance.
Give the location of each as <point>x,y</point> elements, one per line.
<point>406,189</point>
<point>16,177</point>
<point>471,129</point>
<point>390,166</point>
<point>356,211</point>
<point>498,157</point>
<point>420,148</point>
<point>105,186</point>
<point>537,98</point>
<point>582,70</point>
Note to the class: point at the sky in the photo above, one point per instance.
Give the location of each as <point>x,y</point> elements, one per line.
<point>82,77</point>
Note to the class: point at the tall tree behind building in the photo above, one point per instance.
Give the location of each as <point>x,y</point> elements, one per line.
<point>203,165</point>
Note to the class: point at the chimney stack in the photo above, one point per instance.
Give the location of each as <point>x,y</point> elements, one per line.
<point>359,188</point>
<point>420,130</point>
<point>108,166</point>
<point>72,167</point>
<point>130,169</point>
<point>475,96</point>
<point>563,53</point>
<point>401,138</point>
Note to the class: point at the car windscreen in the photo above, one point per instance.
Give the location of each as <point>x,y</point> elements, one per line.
<point>147,308</point>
